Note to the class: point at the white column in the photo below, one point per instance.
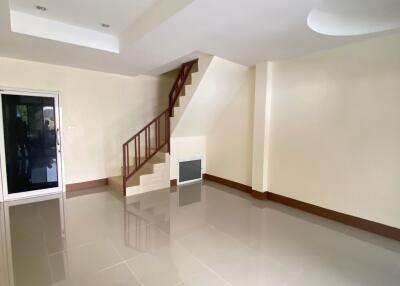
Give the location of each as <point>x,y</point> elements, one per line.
<point>261,123</point>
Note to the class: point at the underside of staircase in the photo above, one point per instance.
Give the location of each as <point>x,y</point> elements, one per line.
<point>146,159</point>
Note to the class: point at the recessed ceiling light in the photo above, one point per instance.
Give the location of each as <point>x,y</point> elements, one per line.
<point>41,8</point>
<point>105,25</point>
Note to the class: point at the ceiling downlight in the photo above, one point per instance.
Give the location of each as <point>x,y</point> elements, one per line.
<point>41,8</point>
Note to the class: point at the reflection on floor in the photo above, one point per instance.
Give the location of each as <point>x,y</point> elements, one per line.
<point>200,234</point>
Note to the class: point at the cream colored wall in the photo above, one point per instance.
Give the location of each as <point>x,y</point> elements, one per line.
<point>261,123</point>
<point>213,122</point>
<point>335,129</point>
<point>221,82</point>
<point>187,148</point>
<point>229,141</point>
<point>99,111</point>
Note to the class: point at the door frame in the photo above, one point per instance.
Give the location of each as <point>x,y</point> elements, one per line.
<point>4,196</point>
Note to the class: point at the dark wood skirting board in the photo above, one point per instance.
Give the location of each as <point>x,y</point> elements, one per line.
<point>86,185</point>
<point>232,184</point>
<point>259,195</point>
<point>173,183</point>
<point>371,226</point>
<point>364,224</point>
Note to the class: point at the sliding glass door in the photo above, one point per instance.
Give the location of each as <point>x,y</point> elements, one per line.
<point>30,144</point>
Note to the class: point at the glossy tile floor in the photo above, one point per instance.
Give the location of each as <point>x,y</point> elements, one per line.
<point>201,234</point>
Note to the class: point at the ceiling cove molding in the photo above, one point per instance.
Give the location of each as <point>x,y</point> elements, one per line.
<point>358,17</point>
<point>151,19</point>
<point>31,25</point>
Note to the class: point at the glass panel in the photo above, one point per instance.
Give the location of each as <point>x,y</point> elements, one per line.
<point>30,142</point>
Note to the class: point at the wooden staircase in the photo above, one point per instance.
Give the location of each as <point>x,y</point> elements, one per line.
<point>145,165</point>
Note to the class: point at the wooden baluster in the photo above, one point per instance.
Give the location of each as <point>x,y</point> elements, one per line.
<point>123,161</point>
<point>136,161</point>
<point>139,149</point>
<point>123,170</point>
<point>158,132</point>
<point>165,124</point>
<point>149,140</point>
<point>127,158</point>
<point>145,143</point>
<point>150,145</point>
<point>167,135</point>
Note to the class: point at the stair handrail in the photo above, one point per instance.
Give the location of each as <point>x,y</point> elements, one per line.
<point>180,83</point>
<point>158,144</point>
<point>164,116</point>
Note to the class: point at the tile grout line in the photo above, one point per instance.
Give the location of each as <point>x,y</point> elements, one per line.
<point>73,247</point>
<point>134,274</point>
<point>243,246</point>
<point>184,281</point>
<point>125,261</point>
<point>189,254</point>
<point>197,259</point>
<point>201,263</point>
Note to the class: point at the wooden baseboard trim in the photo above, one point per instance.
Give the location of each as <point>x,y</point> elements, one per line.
<point>364,224</point>
<point>173,183</point>
<point>225,182</point>
<point>86,185</point>
<point>259,195</point>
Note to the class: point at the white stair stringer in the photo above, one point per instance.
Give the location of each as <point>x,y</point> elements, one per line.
<point>154,175</point>
<point>158,179</point>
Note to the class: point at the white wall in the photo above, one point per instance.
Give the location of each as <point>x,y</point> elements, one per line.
<point>261,124</point>
<point>229,141</point>
<point>99,111</point>
<point>187,148</point>
<point>335,129</point>
<point>217,114</point>
<point>220,84</point>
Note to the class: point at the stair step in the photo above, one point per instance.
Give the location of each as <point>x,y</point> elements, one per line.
<point>132,181</point>
<point>154,174</point>
<point>153,167</point>
<point>156,159</point>
<point>117,184</point>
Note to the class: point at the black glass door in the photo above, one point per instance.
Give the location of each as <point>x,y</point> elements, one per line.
<point>30,142</point>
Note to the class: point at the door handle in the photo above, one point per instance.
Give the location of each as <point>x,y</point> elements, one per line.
<point>58,136</point>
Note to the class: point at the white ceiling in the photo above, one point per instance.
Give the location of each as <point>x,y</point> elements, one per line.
<point>88,13</point>
<point>157,35</point>
<point>341,18</point>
